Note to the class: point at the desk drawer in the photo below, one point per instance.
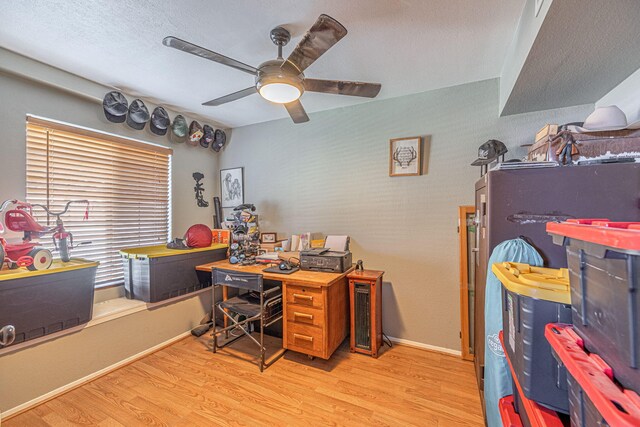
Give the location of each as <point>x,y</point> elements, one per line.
<point>305,296</point>
<point>304,338</point>
<point>305,315</point>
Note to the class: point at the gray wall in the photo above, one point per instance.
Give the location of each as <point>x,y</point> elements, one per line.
<point>331,175</point>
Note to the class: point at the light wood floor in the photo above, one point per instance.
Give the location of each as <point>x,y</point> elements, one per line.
<point>185,385</point>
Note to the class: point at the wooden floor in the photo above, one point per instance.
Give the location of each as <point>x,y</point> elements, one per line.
<point>185,385</point>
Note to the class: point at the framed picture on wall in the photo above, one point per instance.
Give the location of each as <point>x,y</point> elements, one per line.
<point>232,187</point>
<point>405,156</point>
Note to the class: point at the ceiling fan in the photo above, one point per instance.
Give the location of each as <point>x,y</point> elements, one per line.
<point>282,80</point>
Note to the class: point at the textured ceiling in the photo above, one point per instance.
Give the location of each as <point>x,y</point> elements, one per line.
<point>578,56</point>
<point>409,46</point>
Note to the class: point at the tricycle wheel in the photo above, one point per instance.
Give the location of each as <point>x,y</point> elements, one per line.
<point>42,259</point>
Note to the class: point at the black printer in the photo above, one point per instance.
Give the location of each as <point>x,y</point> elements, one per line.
<point>323,259</point>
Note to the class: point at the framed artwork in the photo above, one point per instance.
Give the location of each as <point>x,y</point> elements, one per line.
<point>232,187</point>
<point>405,156</point>
<point>268,238</point>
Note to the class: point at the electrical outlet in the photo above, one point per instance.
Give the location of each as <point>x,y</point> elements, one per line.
<point>538,6</point>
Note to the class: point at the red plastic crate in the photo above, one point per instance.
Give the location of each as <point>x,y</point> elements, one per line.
<point>508,412</point>
<point>619,407</point>
<point>619,235</point>
<point>539,416</point>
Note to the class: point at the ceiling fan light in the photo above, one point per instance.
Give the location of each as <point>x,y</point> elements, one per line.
<point>280,93</point>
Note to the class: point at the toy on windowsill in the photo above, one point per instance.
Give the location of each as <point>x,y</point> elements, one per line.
<point>28,253</point>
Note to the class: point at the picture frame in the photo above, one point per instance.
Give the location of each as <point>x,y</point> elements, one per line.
<point>268,237</point>
<point>405,156</point>
<point>232,187</point>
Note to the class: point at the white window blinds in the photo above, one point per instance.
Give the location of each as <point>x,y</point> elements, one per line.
<point>127,183</point>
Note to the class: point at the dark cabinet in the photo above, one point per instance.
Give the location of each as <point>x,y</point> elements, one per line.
<point>517,203</point>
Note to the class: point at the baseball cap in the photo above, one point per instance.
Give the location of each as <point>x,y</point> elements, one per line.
<point>138,115</point>
<point>159,121</point>
<point>489,151</point>
<point>195,133</point>
<point>207,136</point>
<point>179,129</point>
<point>115,107</point>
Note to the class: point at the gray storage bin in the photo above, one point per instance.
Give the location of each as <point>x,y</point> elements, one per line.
<point>542,379</point>
<point>38,303</point>
<point>531,298</point>
<point>605,293</point>
<point>155,273</point>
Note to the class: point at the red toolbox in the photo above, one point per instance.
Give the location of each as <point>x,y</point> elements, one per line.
<point>531,413</point>
<point>595,399</point>
<point>508,414</point>
<point>604,272</point>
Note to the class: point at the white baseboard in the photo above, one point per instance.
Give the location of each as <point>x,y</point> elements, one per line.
<point>429,347</point>
<point>66,388</point>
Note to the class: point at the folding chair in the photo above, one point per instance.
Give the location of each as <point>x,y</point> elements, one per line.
<point>255,304</point>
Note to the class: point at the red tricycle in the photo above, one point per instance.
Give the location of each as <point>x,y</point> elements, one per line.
<point>28,254</point>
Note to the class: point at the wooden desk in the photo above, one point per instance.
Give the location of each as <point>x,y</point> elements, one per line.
<point>315,307</point>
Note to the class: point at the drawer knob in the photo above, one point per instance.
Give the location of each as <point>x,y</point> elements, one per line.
<point>303,297</point>
<point>303,337</point>
<point>303,315</point>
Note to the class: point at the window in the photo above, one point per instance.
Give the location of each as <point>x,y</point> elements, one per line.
<point>127,183</point>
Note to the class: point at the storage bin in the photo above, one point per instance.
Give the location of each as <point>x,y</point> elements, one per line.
<point>42,302</point>
<point>595,398</point>
<point>604,269</point>
<point>531,298</point>
<point>531,413</point>
<point>155,273</point>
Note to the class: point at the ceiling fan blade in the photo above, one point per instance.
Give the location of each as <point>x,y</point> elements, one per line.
<point>296,111</point>
<point>231,97</point>
<point>339,87</point>
<point>193,49</point>
<point>321,36</point>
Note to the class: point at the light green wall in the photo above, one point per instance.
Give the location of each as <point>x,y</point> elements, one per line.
<point>34,371</point>
<point>331,175</point>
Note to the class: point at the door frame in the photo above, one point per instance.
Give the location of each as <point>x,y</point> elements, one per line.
<point>463,211</point>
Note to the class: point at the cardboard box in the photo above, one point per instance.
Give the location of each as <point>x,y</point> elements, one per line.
<point>546,131</point>
<point>271,247</point>
<point>221,236</point>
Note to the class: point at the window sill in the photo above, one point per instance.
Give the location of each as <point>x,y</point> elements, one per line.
<point>103,312</point>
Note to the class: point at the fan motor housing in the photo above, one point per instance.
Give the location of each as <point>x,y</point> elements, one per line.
<point>270,72</point>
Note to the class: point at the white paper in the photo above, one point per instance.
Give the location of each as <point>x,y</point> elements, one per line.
<point>295,242</point>
<point>337,243</point>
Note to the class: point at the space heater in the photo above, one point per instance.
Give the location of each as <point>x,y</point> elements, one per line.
<point>366,311</point>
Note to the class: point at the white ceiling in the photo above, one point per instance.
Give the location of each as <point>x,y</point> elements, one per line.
<point>409,46</point>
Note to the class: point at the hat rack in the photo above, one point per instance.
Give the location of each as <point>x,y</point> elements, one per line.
<point>117,109</point>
